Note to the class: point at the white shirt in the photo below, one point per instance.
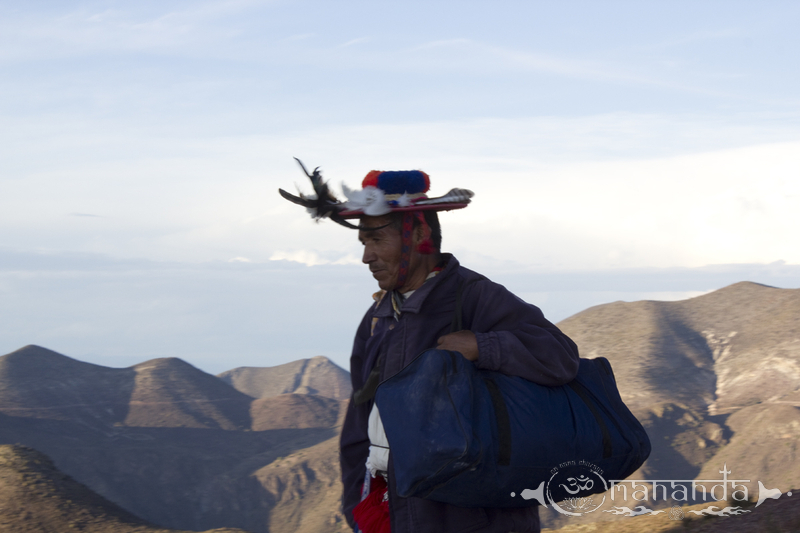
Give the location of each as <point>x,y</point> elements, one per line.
<point>379,446</point>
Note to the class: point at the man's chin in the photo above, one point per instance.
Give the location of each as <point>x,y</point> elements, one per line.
<point>383,282</point>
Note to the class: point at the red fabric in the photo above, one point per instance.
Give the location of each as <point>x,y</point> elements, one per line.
<point>372,514</point>
<point>426,246</point>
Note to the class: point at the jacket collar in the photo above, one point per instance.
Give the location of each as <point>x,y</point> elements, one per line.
<point>415,302</point>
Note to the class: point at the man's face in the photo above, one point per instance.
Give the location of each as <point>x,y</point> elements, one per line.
<point>382,250</point>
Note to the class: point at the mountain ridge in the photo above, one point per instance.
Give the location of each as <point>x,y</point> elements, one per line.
<point>169,442</point>
<point>715,379</point>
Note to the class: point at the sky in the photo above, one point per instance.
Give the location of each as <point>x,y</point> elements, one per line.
<point>617,151</point>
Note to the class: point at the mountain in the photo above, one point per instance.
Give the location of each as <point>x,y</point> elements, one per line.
<point>174,445</point>
<point>37,498</point>
<point>684,367</point>
<point>318,376</point>
<point>714,379</point>
<point>39,383</point>
<point>173,393</point>
<point>718,352</point>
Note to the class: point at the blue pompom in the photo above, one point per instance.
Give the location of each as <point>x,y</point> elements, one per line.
<point>403,181</point>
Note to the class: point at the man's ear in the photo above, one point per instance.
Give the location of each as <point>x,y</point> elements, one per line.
<point>422,238</point>
<point>418,235</point>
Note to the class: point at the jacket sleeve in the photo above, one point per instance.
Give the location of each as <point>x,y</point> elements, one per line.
<point>515,338</point>
<point>354,441</point>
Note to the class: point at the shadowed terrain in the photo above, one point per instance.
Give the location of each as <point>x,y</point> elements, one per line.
<point>176,446</point>
<point>714,380</point>
<point>684,368</point>
<point>36,498</point>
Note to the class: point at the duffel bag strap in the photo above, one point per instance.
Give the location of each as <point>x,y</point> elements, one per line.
<point>457,324</point>
<point>580,390</point>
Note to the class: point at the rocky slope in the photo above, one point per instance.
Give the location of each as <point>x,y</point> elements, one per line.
<point>712,378</point>
<point>317,376</point>
<point>685,367</point>
<point>36,498</point>
<point>295,411</point>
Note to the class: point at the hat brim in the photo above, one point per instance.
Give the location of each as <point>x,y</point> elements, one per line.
<point>358,213</point>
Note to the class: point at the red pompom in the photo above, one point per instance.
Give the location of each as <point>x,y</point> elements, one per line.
<point>426,247</point>
<point>371,179</point>
<point>427,181</point>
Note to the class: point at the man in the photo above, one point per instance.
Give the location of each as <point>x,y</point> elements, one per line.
<point>413,312</point>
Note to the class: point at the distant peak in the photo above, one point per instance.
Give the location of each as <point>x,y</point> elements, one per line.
<point>32,356</point>
<point>32,349</point>
<point>163,362</point>
<point>743,284</point>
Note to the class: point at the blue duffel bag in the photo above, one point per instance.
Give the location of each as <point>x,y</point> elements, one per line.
<point>476,438</point>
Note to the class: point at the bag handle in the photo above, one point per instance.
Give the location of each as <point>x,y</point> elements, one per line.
<point>367,392</point>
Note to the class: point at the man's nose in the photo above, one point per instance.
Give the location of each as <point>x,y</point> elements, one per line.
<point>368,256</point>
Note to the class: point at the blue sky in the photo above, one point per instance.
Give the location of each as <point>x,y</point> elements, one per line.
<point>618,150</point>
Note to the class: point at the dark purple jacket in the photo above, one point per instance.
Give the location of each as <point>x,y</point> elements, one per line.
<point>513,338</point>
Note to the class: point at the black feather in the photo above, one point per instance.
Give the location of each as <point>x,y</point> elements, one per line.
<point>295,199</point>
<point>339,220</point>
<point>325,204</point>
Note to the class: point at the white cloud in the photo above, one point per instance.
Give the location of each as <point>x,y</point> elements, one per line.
<point>301,256</point>
<point>609,190</point>
<point>359,40</point>
<point>310,258</point>
<point>731,206</point>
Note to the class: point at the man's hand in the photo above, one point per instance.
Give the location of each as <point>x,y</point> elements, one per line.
<point>463,341</point>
